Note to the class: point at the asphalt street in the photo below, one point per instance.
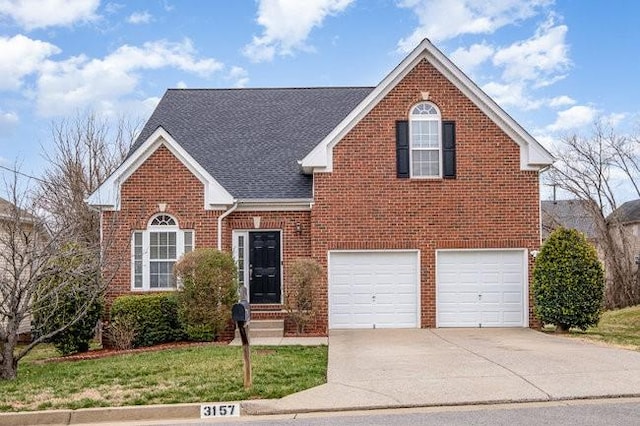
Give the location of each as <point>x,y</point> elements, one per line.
<point>578,412</point>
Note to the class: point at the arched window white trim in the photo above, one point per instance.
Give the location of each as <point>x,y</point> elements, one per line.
<point>425,141</point>
<point>154,252</point>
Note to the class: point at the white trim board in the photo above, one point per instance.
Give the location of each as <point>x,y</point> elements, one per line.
<point>533,156</point>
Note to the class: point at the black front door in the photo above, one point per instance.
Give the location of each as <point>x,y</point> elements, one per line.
<point>264,267</point>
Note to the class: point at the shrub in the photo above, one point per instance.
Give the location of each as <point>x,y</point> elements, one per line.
<point>154,317</point>
<point>122,332</point>
<point>568,281</point>
<point>68,293</point>
<point>208,289</point>
<point>301,296</point>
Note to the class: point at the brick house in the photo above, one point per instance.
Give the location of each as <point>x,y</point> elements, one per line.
<point>419,197</point>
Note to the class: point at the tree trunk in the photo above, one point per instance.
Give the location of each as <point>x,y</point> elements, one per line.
<point>9,365</point>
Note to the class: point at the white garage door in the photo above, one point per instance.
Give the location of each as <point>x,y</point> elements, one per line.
<point>373,289</point>
<point>481,288</point>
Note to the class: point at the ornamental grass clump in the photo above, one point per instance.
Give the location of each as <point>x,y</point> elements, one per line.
<point>568,282</point>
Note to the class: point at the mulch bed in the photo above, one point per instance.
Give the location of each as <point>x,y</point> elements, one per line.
<point>104,353</point>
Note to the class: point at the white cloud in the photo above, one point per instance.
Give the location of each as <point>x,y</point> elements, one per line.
<point>615,118</point>
<point>19,57</point>
<point>469,59</point>
<point>8,122</point>
<point>574,117</point>
<point>80,82</point>
<point>561,101</point>
<point>541,59</point>
<point>32,14</point>
<point>511,94</point>
<point>287,24</point>
<point>441,20</point>
<point>239,75</point>
<point>181,85</point>
<point>139,18</point>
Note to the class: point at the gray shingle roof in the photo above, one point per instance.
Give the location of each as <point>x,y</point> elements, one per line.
<point>570,214</point>
<point>626,213</point>
<point>250,140</point>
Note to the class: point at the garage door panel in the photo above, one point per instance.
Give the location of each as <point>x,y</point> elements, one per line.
<point>356,277</point>
<point>480,288</point>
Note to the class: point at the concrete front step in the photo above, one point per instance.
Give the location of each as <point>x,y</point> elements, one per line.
<point>264,329</point>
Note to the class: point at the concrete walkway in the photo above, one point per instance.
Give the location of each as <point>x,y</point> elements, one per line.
<point>283,341</point>
<point>406,368</point>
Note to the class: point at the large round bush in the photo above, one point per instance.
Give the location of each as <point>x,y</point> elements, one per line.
<point>568,281</point>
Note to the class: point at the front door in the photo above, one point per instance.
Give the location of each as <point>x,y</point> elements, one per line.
<point>264,267</point>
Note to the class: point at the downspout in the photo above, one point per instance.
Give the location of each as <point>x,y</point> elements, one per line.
<point>220,218</point>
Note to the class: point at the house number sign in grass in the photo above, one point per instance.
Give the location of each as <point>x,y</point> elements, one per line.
<point>219,410</point>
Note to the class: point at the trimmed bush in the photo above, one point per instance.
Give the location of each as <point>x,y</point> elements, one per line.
<point>301,297</point>
<point>153,317</point>
<point>68,291</point>
<point>568,281</point>
<point>208,289</point>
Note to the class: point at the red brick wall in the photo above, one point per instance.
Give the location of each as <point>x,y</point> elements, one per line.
<point>362,205</point>
<point>164,179</point>
<point>160,179</point>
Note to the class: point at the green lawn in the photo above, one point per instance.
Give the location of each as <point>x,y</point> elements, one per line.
<point>194,374</point>
<point>619,327</point>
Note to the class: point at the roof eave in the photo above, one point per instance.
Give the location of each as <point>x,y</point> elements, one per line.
<point>533,156</point>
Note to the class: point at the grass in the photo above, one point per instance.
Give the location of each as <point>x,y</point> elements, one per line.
<point>620,327</point>
<point>195,374</point>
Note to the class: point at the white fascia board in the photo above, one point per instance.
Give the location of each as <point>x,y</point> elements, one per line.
<point>107,196</point>
<point>533,156</point>
<point>274,204</point>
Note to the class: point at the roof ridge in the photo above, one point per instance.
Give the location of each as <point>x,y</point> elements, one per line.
<point>265,88</point>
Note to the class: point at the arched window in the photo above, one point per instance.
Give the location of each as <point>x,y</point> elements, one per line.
<point>155,252</point>
<point>425,124</point>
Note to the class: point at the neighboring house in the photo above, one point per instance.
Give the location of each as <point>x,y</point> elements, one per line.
<point>8,214</point>
<point>628,215</point>
<point>419,197</point>
<point>570,214</point>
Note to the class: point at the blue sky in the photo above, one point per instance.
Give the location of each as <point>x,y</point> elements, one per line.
<point>555,66</point>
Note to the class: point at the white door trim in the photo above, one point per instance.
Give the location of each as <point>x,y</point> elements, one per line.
<point>235,234</point>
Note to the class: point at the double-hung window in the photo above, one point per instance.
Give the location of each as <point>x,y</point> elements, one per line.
<point>155,252</point>
<point>425,133</point>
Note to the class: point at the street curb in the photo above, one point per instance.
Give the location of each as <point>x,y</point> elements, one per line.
<point>103,415</point>
<point>191,411</point>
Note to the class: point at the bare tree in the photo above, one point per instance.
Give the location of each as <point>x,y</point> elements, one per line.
<point>602,169</point>
<point>51,243</point>
<point>30,254</point>
<point>84,152</point>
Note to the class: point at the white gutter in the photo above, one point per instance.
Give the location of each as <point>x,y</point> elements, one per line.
<point>220,218</point>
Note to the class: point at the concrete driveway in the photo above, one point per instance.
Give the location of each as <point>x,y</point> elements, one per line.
<point>406,368</point>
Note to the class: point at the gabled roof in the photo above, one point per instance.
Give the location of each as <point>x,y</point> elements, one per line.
<point>570,214</point>
<point>250,140</point>
<point>7,211</point>
<point>533,156</point>
<point>629,212</point>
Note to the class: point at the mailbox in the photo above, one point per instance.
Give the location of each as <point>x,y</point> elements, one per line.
<point>241,312</point>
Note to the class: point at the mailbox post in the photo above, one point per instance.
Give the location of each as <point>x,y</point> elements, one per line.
<point>241,314</point>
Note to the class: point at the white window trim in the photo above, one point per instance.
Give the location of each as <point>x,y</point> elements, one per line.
<point>146,258</point>
<point>423,117</point>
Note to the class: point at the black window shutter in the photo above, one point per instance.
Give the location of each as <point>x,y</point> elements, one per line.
<point>402,149</point>
<point>449,149</point>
